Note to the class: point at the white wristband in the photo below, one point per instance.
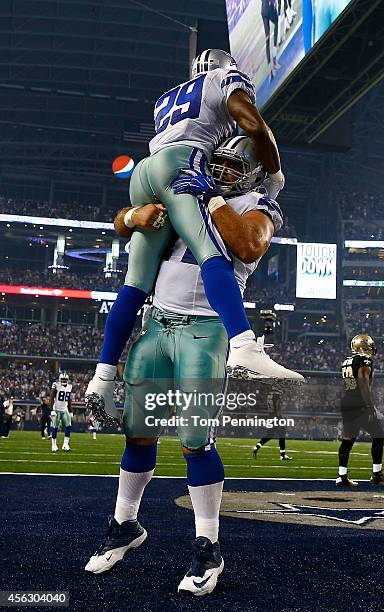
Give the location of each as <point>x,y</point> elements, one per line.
<point>128,217</point>
<point>277,177</point>
<point>215,203</point>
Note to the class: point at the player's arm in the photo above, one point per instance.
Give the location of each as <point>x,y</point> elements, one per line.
<point>364,382</point>
<point>248,236</point>
<point>130,217</point>
<point>246,115</point>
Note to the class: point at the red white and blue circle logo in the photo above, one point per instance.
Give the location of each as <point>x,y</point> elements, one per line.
<point>123,166</point>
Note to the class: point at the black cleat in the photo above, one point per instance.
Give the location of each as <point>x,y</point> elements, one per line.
<point>207,565</point>
<point>377,478</point>
<point>344,481</point>
<point>120,538</point>
<point>255,451</point>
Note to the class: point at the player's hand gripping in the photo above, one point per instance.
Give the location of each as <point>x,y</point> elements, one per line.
<point>197,184</point>
<point>149,217</point>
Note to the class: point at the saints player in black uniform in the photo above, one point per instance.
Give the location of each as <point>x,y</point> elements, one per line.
<point>274,408</point>
<point>358,411</point>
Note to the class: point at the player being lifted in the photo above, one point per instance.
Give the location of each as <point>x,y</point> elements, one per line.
<point>358,411</point>
<point>190,120</point>
<point>61,407</point>
<point>274,409</point>
<point>184,344</point>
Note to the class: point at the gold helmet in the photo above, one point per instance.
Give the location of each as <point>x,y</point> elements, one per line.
<point>362,344</point>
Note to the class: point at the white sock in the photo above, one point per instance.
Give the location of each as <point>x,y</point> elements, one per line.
<point>54,443</point>
<point>377,467</point>
<point>94,435</point>
<point>66,442</point>
<point>242,339</point>
<point>206,502</point>
<point>343,471</point>
<point>131,489</point>
<point>106,371</point>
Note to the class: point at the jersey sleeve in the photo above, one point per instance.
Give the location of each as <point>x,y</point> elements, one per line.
<point>234,79</point>
<point>266,205</point>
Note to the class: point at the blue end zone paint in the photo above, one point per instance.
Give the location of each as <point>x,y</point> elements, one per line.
<point>51,525</point>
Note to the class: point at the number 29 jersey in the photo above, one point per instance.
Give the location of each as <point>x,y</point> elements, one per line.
<point>63,394</point>
<point>349,370</point>
<point>195,113</point>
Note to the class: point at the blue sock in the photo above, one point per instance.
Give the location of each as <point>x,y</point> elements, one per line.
<point>139,458</point>
<point>120,323</point>
<point>224,295</point>
<point>204,468</point>
<point>67,432</point>
<point>54,433</point>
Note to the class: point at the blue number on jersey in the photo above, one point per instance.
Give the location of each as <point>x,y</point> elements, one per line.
<point>182,102</point>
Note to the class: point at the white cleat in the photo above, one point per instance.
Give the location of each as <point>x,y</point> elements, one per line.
<point>55,449</point>
<point>99,399</point>
<point>120,539</point>
<point>252,362</point>
<point>206,567</point>
<point>66,449</point>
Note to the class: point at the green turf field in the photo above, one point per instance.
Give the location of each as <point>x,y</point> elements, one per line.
<point>26,452</point>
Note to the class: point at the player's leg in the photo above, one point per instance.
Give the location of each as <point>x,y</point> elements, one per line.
<point>66,426</point>
<point>145,254</point>
<point>274,18</point>
<point>54,429</point>
<point>200,360</point>
<point>283,454</point>
<point>145,362</point>
<point>377,461</point>
<point>259,445</point>
<point>344,452</point>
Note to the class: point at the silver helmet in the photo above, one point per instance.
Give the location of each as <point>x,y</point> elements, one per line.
<point>210,59</point>
<point>244,174</point>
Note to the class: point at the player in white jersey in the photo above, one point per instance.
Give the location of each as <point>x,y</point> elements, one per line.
<point>60,401</point>
<point>190,121</point>
<point>184,345</point>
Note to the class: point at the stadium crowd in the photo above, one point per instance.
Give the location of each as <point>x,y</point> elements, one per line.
<point>61,279</point>
<point>365,317</point>
<point>59,210</point>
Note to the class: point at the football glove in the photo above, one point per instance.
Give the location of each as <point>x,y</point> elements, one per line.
<point>273,184</point>
<point>197,184</point>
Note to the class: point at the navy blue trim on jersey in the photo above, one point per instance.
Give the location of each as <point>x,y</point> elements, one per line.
<point>236,79</point>
<point>188,258</point>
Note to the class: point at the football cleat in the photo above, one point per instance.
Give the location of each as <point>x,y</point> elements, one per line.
<point>252,362</point>
<point>377,478</point>
<point>99,400</point>
<point>285,458</point>
<point>120,538</point>
<point>207,565</point>
<point>344,481</point>
<point>55,449</point>
<point>66,449</point>
<point>255,451</point>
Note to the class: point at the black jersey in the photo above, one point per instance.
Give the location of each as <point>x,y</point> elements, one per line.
<point>349,369</point>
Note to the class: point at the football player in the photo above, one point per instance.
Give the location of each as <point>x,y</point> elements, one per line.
<point>190,120</point>
<point>274,408</point>
<point>183,345</point>
<point>358,411</point>
<point>60,401</point>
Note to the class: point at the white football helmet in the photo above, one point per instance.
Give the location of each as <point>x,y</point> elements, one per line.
<point>64,379</point>
<point>235,168</point>
<point>210,59</point>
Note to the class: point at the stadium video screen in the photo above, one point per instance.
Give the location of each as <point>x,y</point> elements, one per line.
<point>269,38</point>
<point>316,272</point>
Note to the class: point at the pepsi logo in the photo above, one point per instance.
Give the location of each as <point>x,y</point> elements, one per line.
<point>123,166</point>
